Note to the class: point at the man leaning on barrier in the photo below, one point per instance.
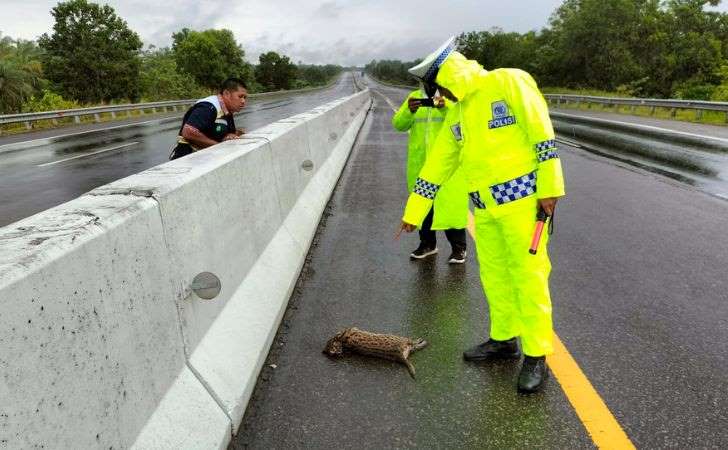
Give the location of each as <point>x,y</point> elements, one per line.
<point>210,120</point>
<point>508,154</point>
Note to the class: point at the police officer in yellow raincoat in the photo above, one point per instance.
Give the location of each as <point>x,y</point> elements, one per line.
<point>450,209</point>
<point>509,158</point>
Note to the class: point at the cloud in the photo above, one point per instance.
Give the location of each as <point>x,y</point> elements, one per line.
<point>346,32</point>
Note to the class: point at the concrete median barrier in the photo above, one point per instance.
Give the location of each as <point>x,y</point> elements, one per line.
<point>105,345</point>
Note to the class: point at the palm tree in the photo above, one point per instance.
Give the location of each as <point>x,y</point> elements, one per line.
<point>21,73</point>
<point>15,86</point>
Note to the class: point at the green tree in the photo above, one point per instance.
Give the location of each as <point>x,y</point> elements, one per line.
<point>720,94</point>
<point>496,48</point>
<point>15,87</point>
<point>92,54</point>
<point>392,71</point>
<point>312,75</point>
<point>21,74</point>
<point>275,72</point>
<point>693,52</point>
<point>593,42</point>
<point>210,56</point>
<point>162,80</point>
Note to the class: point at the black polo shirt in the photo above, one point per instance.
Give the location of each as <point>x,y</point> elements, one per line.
<point>205,117</point>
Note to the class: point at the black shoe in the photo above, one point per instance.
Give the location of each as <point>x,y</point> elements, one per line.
<point>423,251</point>
<point>457,256</point>
<point>533,374</point>
<point>493,349</point>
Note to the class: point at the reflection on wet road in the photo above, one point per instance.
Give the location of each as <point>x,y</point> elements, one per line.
<point>45,175</point>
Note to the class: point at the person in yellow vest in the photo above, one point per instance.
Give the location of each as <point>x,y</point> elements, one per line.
<point>508,154</point>
<point>450,209</point>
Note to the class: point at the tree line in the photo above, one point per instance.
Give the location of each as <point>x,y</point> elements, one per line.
<point>92,57</point>
<point>641,48</point>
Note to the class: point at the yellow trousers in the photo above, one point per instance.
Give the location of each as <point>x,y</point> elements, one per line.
<point>514,281</point>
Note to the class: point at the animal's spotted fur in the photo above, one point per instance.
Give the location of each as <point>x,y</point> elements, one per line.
<point>387,346</point>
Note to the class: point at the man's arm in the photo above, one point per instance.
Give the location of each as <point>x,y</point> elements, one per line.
<point>405,116</point>
<point>196,138</point>
<point>442,161</point>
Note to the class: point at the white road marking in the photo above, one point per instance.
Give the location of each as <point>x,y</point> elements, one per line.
<point>389,102</point>
<point>644,127</point>
<point>89,154</point>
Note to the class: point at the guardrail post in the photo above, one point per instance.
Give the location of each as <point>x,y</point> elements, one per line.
<point>77,119</point>
<point>141,112</point>
<point>652,111</point>
<point>113,115</point>
<point>673,112</point>
<point>698,114</point>
<point>28,125</point>
<point>128,113</point>
<point>726,117</point>
<point>97,118</point>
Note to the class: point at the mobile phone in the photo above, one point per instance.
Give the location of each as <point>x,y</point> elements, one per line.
<point>426,102</point>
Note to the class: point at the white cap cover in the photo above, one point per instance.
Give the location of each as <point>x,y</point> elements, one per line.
<point>427,69</point>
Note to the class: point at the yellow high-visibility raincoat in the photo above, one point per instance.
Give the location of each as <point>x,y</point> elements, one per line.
<point>451,203</point>
<point>508,154</point>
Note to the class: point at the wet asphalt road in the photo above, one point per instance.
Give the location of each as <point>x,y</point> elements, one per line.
<point>35,179</point>
<point>706,169</point>
<point>640,301</point>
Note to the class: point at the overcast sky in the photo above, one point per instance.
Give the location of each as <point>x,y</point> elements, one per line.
<point>345,32</point>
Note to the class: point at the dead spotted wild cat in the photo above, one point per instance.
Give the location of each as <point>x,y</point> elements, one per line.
<point>387,346</point>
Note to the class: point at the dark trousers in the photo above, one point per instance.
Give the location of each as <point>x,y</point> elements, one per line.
<point>428,236</point>
<point>181,150</point>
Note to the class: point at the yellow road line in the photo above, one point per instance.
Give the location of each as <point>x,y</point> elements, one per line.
<point>603,428</point>
<point>594,414</point>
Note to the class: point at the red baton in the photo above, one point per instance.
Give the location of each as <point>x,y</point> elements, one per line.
<point>541,218</point>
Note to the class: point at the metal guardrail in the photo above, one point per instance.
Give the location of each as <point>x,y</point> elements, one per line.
<point>653,103</point>
<point>77,114</point>
<point>167,106</point>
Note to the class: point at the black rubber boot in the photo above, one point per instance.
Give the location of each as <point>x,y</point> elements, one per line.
<point>493,349</point>
<point>533,374</point>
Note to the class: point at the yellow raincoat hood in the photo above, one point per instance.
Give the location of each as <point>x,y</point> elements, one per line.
<point>460,75</point>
